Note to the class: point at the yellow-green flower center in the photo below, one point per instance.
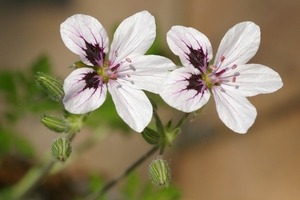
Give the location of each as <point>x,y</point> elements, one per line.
<point>106,72</point>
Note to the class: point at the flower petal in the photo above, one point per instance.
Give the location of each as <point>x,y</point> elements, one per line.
<point>84,91</point>
<point>238,46</point>
<point>134,36</point>
<point>253,79</point>
<point>176,93</point>
<point>236,112</point>
<point>132,105</point>
<point>192,47</point>
<point>85,36</point>
<point>146,72</point>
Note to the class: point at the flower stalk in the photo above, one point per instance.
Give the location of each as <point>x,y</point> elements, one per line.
<point>37,173</point>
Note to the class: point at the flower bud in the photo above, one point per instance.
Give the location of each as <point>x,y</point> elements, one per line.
<point>52,86</point>
<point>61,149</point>
<point>55,124</point>
<point>159,173</point>
<point>151,136</point>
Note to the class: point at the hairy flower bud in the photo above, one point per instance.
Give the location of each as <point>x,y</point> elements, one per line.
<point>52,86</point>
<point>159,173</point>
<point>151,136</point>
<point>55,124</point>
<point>61,149</point>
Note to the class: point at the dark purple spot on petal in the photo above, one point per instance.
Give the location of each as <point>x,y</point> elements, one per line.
<point>198,59</point>
<point>92,80</point>
<point>196,83</point>
<point>94,53</point>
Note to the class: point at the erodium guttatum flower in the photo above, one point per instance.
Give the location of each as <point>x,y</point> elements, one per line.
<point>228,79</point>
<point>124,72</point>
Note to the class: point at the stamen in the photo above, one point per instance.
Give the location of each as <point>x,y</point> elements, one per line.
<point>222,58</point>
<point>116,53</point>
<point>132,68</point>
<point>234,66</point>
<point>212,67</point>
<point>128,75</point>
<point>113,76</point>
<point>128,60</point>
<point>115,67</point>
<point>233,79</point>
<point>220,72</point>
<point>218,81</point>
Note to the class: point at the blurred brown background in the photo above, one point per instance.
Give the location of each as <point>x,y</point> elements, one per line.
<point>208,161</point>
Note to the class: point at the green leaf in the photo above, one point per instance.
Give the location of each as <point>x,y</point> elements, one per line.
<point>130,189</point>
<point>11,142</point>
<point>8,86</point>
<point>42,64</point>
<point>95,183</point>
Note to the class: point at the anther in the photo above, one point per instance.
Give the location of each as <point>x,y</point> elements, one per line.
<point>233,79</point>
<point>234,66</point>
<point>128,60</point>
<point>115,67</point>
<point>113,76</point>
<point>212,67</point>
<point>222,58</point>
<point>128,75</point>
<point>116,53</point>
<point>220,72</point>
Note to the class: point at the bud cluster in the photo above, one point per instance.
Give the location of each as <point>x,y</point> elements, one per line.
<point>151,136</point>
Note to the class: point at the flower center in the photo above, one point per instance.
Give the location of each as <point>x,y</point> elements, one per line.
<point>107,72</point>
<point>216,78</point>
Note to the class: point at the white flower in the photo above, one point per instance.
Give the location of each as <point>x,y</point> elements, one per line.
<point>229,79</point>
<point>125,73</point>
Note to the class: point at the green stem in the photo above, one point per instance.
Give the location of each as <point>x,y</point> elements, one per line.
<point>36,174</point>
<point>159,124</point>
<point>161,150</point>
<point>182,120</point>
<point>32,178</point>
<point>103,190</point>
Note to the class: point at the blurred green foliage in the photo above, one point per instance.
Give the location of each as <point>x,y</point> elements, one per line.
<point>19,93</point>
<point>134,189</point>
<point>13,143</point>
<point>19,96</point>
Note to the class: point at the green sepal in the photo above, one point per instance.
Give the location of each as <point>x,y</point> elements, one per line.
<point>79,64</point>
<point>151,136</point>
